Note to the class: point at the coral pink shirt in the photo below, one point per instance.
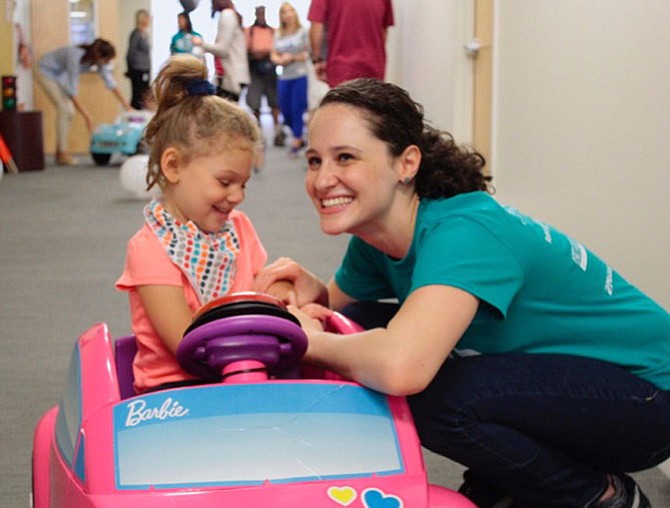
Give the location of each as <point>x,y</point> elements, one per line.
<point>147,263</point>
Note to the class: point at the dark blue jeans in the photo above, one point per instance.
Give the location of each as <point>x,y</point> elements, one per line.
<point>545,429</point>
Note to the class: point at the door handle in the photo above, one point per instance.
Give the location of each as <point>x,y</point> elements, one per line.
<point>472,48</point>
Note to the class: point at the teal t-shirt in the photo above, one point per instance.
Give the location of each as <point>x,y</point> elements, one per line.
<point>540,291</point>
<point>182,42</point>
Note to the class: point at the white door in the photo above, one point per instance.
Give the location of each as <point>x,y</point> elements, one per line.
<point>426,56</point>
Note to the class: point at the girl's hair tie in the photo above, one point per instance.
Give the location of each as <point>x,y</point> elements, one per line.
<point>200,87</point>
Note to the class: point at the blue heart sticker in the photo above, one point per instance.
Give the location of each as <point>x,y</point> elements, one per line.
<point>375,498</point>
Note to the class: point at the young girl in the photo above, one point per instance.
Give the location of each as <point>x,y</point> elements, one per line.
<point>194,245</point>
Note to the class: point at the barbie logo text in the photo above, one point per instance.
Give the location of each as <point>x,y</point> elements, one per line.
<point>138,412</point>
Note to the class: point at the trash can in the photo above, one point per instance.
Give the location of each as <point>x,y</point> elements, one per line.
<point>22,132</point>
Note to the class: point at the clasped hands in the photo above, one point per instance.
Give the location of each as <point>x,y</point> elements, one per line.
<point>305,295</point>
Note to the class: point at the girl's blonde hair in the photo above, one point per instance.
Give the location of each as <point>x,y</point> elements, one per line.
<point>195,122</point>
<point>282,26</point>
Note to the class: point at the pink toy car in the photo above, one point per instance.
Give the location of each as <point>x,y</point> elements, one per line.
<point>259,433</point>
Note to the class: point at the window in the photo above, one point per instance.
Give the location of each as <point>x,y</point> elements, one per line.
<point>82,21</point>
<point>69,410</point>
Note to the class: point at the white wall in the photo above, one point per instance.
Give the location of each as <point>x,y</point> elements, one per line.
<point>581,126</point>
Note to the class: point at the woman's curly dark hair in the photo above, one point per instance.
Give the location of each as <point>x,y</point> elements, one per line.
<point>446,169</point>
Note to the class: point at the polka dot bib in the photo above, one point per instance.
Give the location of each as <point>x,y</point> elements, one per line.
<point>207,259</point>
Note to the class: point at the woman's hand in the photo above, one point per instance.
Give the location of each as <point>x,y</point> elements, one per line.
<point>403,358</point>
<point>316,311</point>
<point>309,323</point>
<point>320,71</point>
<point>286,58</point>
<point>90,126</point>
<point>307,288</point>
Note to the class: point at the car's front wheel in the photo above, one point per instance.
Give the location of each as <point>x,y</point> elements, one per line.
<point>101,159</point>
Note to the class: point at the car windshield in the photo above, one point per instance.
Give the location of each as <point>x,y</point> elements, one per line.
<point>249,434</point>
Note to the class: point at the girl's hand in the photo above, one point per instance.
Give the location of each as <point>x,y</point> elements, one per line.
<point>307,287</point>
<point>282,290</point>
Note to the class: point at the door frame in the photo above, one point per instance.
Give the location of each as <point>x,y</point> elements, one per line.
<point>482,109</point>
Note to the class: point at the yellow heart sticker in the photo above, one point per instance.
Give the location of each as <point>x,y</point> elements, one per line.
<point>342,495</point>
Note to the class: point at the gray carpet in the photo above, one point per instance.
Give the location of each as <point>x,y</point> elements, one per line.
<point>63,235</point>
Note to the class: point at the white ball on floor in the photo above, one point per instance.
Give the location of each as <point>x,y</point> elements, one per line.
<point>133,176</point>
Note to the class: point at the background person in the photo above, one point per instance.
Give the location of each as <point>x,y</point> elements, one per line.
<point>58,73</point>
<point>316,87</point>
<point>138,59</point>
<point>356,38</point>
<point>230,49</point>
<point>182,41</point>
<point>524,355</point>
<point>291,51</point>
<point>263,74</point>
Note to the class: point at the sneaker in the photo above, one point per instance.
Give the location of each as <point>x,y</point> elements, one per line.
<point>627,494</point>
<point>296,146</point>
<point>65,160</point>
<point>636,498</point>
<point>280,139</point>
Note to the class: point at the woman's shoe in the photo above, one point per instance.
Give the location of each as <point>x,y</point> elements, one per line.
<point>64,159</point>
<point>627,494</point>
<point>296,147</point>
<point>280,138</point>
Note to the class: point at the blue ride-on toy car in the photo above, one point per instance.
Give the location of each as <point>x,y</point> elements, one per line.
<point>123,136</point>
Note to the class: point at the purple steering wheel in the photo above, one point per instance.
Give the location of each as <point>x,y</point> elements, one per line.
<point>275,342</point>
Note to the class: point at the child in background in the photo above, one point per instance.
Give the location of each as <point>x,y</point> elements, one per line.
<point>194,245</point>
<point>182,41</point>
